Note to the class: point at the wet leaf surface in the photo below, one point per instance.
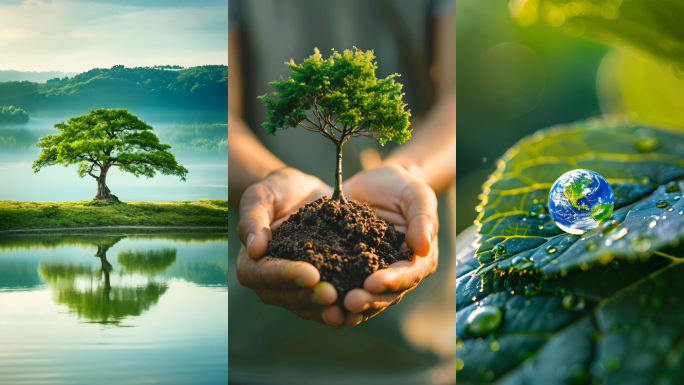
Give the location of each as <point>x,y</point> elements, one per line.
<point>599,308</point>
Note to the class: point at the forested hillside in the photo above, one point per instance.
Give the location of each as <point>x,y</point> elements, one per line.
<point>195,87</point>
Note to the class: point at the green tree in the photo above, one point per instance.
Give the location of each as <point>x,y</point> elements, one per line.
<point>339,98</point>
<point>104,139</point>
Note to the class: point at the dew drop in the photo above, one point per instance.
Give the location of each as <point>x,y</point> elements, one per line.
<point>540,227</point>
<point>551,249</point>
<point>494,346</point>
<point>608,227</point>
<point>672,187</point>
<point>573,303</point>
<point>499,249</point>
<point>521,263</point>
<point>645,180</point>
<point>591,245</point>
<point>554,262</point>
<point>670,209</point>
<point>536,210</point>
<point>483,320</point>
<point>640,245</point>
<point>619,234</point>
<point>647,144</point>
<point>662,204</point>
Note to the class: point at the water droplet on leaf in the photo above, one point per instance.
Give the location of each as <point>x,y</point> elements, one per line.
<point>573,303</point>
<point>591,245</point>
<point>647,144</point>
<point>483,320</point>
<point>662,204</point>
<point>537,210</point>
<point>640,245</point>
<point>521,263</point>
<point>499,249</point>
<point>672,187</point>
<point>551,249</point>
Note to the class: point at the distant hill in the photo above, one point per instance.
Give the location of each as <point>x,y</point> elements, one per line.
<point>36,77</point>
<point>203,87</point>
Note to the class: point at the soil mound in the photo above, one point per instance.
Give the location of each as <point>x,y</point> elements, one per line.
<point>346,242</point>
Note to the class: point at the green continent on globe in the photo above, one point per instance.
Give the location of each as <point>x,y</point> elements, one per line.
<point>574,191</point>
<point>601,211</point>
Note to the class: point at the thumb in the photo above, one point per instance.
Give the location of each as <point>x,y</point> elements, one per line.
<point>421,214</point>
<point>256,214</point>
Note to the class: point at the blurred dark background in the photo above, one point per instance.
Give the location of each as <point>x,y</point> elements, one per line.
<point>511,81</point>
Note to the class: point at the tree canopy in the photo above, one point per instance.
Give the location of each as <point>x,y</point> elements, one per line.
<point>339,98</point>
<point>104,139</point>
<point>343,96</point>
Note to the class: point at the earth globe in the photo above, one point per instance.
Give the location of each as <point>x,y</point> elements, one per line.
<point>579,200</point>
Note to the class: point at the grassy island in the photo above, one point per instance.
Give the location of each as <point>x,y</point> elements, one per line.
<point>17,215</point>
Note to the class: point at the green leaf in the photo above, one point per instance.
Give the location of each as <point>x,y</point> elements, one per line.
<point>339,97</point>
<point>602,307</point>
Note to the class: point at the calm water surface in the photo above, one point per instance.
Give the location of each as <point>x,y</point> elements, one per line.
<point>116,309</point>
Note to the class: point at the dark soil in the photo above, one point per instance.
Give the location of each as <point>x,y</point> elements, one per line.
<point>346,242</point>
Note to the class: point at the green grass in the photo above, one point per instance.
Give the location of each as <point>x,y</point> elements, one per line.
<point>16,215</point>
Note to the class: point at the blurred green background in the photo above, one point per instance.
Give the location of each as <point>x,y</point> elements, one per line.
<point>523,65</point>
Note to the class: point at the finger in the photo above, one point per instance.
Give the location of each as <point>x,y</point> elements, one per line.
<point>402,275</point>
<point>274,273</point>
<point>315,314</point>
<point>256,213</point>
<point>392,217</point>
<point>354,319</point>
<point>421,215</point>
<point>333,316</point>
<point>359,300</point>
<point>323,293</point>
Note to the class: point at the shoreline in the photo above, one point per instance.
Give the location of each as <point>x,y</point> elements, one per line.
<point>28,217</point>
<point>108,229</point>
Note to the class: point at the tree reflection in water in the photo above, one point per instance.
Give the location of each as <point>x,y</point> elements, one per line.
<point>100,302</point>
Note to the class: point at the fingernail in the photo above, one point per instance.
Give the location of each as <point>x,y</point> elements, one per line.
<point>428,235</point>
<point>300,282</point>
<point>317,294</point>
<point>381,289</point>
<point>324,319</point>
<point>250,238</point>
<point>359,318</point>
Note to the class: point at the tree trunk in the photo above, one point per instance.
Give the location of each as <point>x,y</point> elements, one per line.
<point>103,192</point>
<point>338,194</point>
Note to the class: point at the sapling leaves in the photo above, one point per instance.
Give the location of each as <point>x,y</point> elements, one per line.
<point>602,307</point>
<point>339,98</point>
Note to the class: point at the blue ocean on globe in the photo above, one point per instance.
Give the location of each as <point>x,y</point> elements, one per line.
<point>579,200</point>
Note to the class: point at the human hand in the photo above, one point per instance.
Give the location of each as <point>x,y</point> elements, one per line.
<point>294,286</point>
<point>411,205</point>
<point>267,204</point>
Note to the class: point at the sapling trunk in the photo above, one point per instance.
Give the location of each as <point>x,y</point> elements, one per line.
<point>338,194</point>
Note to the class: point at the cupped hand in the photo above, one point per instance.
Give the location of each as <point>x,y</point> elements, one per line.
<point>294,286</point>
<point>267,204</point>
<point>411,205</point>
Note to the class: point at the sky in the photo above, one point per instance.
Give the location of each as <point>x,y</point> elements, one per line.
<point>78,35</point>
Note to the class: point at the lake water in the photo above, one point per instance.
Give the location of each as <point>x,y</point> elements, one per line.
<point>115,309</point>
<point>208,167</point>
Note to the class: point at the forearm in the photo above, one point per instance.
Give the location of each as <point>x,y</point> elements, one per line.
<point>248,160</point>
<point>430,155</point>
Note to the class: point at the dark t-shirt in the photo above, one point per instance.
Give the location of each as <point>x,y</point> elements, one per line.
<point>412,343</point>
